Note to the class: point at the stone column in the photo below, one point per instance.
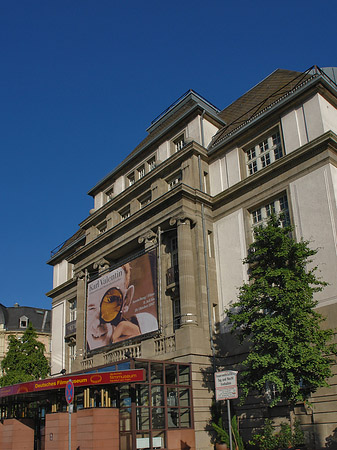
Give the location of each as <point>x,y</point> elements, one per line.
<point>187,281</point>
<point>80,320</point>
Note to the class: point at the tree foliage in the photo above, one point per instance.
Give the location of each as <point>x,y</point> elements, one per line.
<point>24,360</point>
<point>275,311</point>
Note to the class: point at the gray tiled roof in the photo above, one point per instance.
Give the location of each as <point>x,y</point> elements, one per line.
<point>38,317</point>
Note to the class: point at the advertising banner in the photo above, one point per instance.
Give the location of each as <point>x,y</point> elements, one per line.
<point>86,379</point>
<point>122,304</point>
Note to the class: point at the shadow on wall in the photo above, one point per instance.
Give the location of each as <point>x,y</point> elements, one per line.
<point>251,416</point>
<point>331,441</point>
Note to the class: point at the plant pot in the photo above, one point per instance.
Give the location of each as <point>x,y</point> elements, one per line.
<point>221,446</point>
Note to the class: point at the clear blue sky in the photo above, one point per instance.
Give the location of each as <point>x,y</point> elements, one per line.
<point>82,79</point>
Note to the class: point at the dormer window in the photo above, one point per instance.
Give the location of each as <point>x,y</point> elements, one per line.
<point>23,322</point>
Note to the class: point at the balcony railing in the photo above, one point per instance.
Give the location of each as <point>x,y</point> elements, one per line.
<point>172,275</point>
<point>70,328</point>
<point>133,351</point>
<point>165,344</point>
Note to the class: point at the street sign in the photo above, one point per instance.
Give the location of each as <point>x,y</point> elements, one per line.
<point>69,392</point>
<point>226,386</point>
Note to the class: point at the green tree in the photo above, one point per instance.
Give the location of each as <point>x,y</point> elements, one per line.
<point>25,360</point>
<point>275,311</point>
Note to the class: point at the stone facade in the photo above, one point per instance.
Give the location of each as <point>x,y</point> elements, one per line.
<point>193,189</point>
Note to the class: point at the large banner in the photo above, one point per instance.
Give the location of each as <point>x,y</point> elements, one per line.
<point>122,304</point>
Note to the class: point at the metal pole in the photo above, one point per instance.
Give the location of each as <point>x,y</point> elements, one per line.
<point>69,431</point>
<point>229,425</point>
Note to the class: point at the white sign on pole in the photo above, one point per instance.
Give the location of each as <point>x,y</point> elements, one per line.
<point>226,386</point>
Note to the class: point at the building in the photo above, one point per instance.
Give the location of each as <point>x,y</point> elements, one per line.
<point>15,320</point>
<point>144,282</point>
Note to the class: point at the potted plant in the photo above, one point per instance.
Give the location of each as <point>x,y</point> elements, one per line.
<point>222,441</point>
<point>222,437</point>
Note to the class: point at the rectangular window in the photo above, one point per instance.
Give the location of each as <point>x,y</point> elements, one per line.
<point>72,310</point>
<point>109,194</point>
<point>131,179</point>
<point>145,199</point>
<point>179,143</point>
<point>102,227</point>
<point>151,164</point>
<point>125,213</point>
<point>172,182</point>
<point>263,153</point>
<point>141,172</point>
<point>279,206</point>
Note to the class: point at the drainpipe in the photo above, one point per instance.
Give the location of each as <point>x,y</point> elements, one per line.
<point>205,247</point>
<point>159,281</point>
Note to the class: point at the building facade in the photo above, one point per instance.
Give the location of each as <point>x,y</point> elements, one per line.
<point>15,320</point>
<point>146,279</point>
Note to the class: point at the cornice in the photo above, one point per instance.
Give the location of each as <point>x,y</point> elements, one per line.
<point>138,188</point>
<point>62,288</point>
<point>180,192</point>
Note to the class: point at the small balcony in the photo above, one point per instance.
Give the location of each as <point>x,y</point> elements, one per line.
<point>70,328</point>
<point>172,276</point>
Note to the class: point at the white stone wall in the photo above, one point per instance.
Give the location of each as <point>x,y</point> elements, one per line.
<point>230,250</point>
<point>225,172</point>
<point>57,345</point>
<point>61,273</point>
<point>307,122</point>
<point>313,203</point>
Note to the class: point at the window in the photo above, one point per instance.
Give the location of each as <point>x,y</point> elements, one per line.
<point>179,143</point>
<point>102,227</point>
<point>264,153</point>
<point>176,313</point>
<point>72,310</point>
<point>72,352</point>
<point>125,213</point>
<point>206,183</point>
<point>277,207</point>
<point>210,244</point>
<point>145,199</point>
<point>151,164</point>
<point>131,179</point>
<point>109,194</point>
<point>141,171</point>
<point>172,182</point>
<point>23,322</point>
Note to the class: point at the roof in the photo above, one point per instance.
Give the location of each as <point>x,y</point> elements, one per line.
<point>68,244</point>
<point>180,109</point>
<point>38,317</point>
<point>264,94</point>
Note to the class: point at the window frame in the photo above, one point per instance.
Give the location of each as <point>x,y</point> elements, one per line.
<point>263,151</point>
<point>174,180</point>
<point>277,204</point>
<point>125,213</point>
